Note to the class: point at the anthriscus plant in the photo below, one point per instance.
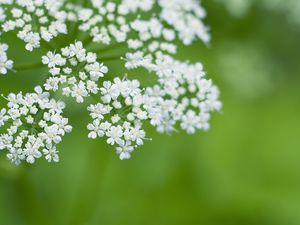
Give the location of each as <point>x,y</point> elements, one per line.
<point>180,98</point>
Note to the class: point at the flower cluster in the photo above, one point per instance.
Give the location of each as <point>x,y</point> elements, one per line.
<point>34,20</point>
<point>151,35</point>
<point>5,63</point>
<point>75,70</point>
<point>34,126</point>
<point>186,18</point>
<point>181,97</point>
<point>119,115</point>
<point>102,12</point>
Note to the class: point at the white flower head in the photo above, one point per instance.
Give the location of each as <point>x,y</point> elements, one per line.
<point>75,71</point>
<point>119,116</point>
<point>183,95</point>
<point>34,20</point>
<point>35,125</point>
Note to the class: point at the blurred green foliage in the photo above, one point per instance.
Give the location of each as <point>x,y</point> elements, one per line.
<point>244,171</point>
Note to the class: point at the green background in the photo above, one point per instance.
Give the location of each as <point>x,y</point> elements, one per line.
<point>244,171</point>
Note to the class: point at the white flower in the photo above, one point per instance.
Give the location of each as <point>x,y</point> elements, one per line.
<point>51,154</point>
<point>124,150</point>
<point>31,150</point>
<point>53,60</point>
<point>15,155</point>
<point>95,129</point>
<point>114,135</point>
<point>5,63</point>
<point>190,122</point>
<point>31,39</point>
<point>137,59</point>
<point>3,117</point>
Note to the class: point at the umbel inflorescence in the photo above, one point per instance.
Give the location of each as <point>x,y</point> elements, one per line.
<point>180,98</point>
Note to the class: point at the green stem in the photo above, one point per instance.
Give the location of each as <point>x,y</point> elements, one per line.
<point>110,58</point>
<point>74,32</point>
<point>28,66</point>
<point>87,41</point>
<point>110,47</point>
<point>48,46</point>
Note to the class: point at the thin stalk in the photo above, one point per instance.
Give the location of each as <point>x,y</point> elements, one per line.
<point>87,41</point>
<point>28,66</point>
<point>49,46</point>
<point>75,31</point>
<point>110,58</point>
<point>110,47</point>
